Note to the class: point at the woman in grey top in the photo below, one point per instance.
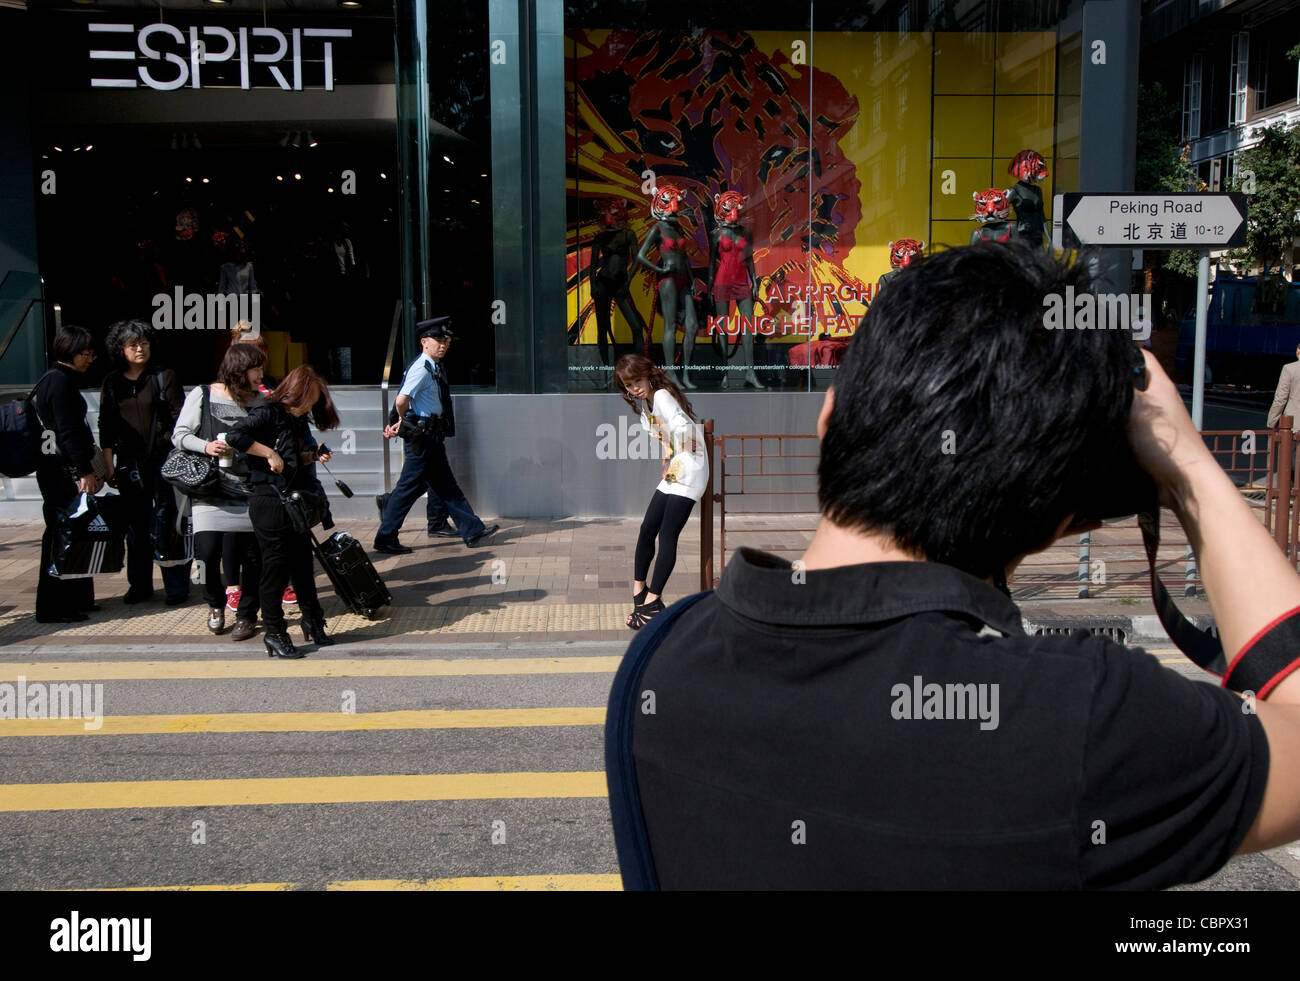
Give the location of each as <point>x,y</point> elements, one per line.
<point>230,397</point>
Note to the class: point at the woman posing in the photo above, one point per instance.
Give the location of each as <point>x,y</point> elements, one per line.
<point>138,406</point>
<point>667,414</point>
<point>62,475</point>
<point>281,454</point>
<point>223,521</point>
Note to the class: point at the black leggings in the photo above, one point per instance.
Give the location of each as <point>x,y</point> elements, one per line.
<point>238,551</point>
<point>665,517</point>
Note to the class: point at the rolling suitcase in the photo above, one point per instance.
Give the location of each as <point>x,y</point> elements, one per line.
<point>351,572</point>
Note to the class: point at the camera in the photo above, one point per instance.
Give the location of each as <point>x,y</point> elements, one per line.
<point>1121,486</point>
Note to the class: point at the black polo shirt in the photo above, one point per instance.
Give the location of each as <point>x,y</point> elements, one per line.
<point>891,726</point>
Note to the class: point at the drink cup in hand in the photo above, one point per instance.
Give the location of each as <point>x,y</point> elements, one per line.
<point>228,457</point>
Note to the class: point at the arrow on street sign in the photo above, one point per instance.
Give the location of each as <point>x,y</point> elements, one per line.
<point>1154,221</point>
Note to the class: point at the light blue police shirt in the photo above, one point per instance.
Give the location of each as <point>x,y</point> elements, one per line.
<point>419,387</point>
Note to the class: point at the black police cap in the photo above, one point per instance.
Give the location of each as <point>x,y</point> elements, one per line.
<point>438,328</point>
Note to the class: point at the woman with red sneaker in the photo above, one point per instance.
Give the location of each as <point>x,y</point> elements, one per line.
<point>221,522</point>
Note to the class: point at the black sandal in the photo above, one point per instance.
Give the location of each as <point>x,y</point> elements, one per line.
<point>639,598</point>
<point>644,614</point>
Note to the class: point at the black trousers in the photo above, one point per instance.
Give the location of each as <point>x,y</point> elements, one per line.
<point>235,550</point>
<point>664,518</point>
<point>285,555</point>
<point>58,597</point>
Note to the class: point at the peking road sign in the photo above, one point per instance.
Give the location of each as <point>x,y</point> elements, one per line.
<point>1153,221</point>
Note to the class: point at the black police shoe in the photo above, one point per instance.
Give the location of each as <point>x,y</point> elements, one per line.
<point>482,536</point>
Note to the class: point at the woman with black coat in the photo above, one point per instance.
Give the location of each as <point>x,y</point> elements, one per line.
<point>65,473</point>
<point>138,407</point>
<point>281,453</point>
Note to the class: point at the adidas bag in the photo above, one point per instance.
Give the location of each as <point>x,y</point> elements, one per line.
<point>20,441</point>
<point>90,537</point>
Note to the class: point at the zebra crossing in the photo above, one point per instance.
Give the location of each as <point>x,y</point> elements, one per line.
<point>411,766</point>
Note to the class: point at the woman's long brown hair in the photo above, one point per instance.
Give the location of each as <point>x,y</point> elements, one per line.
<point>303,388</point>
<point>634,367</point>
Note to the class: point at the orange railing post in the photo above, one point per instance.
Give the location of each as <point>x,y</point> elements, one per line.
<point>1282,481</point>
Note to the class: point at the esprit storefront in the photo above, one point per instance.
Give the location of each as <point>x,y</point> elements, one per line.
<point>199,164</point>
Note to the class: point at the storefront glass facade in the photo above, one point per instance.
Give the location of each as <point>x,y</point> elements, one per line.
<point>333,166</point>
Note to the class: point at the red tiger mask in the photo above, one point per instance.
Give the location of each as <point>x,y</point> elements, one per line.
<point>614,212</point>
<point>991,205</point>
<point>1029,165</point>
<point>902,252</point>
<point>728,205</point>
<point>667,202</point>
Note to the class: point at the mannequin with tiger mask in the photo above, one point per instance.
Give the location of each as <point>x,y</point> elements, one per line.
<point>611,264</point>
<point>993,212</point>
<point>901,254</point>
<point>1031,170</point>
<point>731,273</point>
<point>674,270</point>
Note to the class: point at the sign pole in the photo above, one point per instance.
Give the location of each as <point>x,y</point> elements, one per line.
<point>1198,363</point>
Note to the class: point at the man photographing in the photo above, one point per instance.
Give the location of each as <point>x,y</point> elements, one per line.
<point>875,717</point>
<point>424,421</point>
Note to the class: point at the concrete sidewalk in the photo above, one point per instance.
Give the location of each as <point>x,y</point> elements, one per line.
<point>564,579</point>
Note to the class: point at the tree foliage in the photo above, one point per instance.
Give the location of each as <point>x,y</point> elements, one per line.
<point>1272,167</point>
<point>1161,163</point>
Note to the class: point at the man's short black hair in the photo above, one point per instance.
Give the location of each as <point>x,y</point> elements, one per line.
<point>71,341</point>
<point>962,427</point>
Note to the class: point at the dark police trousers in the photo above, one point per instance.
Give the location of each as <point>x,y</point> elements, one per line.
<point>425,467</point>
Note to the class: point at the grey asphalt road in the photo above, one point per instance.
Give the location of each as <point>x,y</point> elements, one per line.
<point>305,843</point>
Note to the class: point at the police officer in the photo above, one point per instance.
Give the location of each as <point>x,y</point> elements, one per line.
<point>424,420</point>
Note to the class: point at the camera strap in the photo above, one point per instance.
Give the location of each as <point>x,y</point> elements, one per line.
<point>1199,645</point>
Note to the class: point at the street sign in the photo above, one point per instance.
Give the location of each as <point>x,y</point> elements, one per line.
<point>1154,221</point>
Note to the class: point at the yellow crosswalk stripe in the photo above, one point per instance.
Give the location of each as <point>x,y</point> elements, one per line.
<point>486,883</point>
<point>309,668</point>
<point>109,795</point>
<point>463,883</point>
<point>135,725</point>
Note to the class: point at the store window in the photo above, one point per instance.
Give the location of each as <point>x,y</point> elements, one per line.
<point>798,174</point>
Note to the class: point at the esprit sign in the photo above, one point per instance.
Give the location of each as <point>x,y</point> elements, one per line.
<point>171,58</point>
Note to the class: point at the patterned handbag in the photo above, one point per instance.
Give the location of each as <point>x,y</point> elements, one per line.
<point>194,474</point>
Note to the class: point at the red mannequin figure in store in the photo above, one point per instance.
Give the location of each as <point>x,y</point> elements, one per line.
<point>1031,170</point>
<point>611,262</point>
<point>901,254</point>
<point>675,281</point>
<point>993,212</point>
<point>731,274</point>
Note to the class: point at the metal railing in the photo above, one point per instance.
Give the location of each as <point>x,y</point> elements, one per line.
<point>764,487</point>
<point>383,391</point>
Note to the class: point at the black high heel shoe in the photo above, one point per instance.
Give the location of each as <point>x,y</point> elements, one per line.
<point>279,645</point>
<point>313,631</point>
<point>639,598</point>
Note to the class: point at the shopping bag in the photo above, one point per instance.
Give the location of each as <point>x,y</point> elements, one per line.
<point>171,535</point>
<point>90,537</point>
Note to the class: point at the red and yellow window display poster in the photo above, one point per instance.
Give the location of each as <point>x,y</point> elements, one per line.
<point>842,141</point>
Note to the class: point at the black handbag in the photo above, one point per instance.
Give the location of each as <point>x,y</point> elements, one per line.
<point>194,474</point>
<point>306,509</point>
<point>171,537</point>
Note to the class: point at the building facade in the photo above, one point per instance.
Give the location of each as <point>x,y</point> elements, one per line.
<point>340,170</point>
